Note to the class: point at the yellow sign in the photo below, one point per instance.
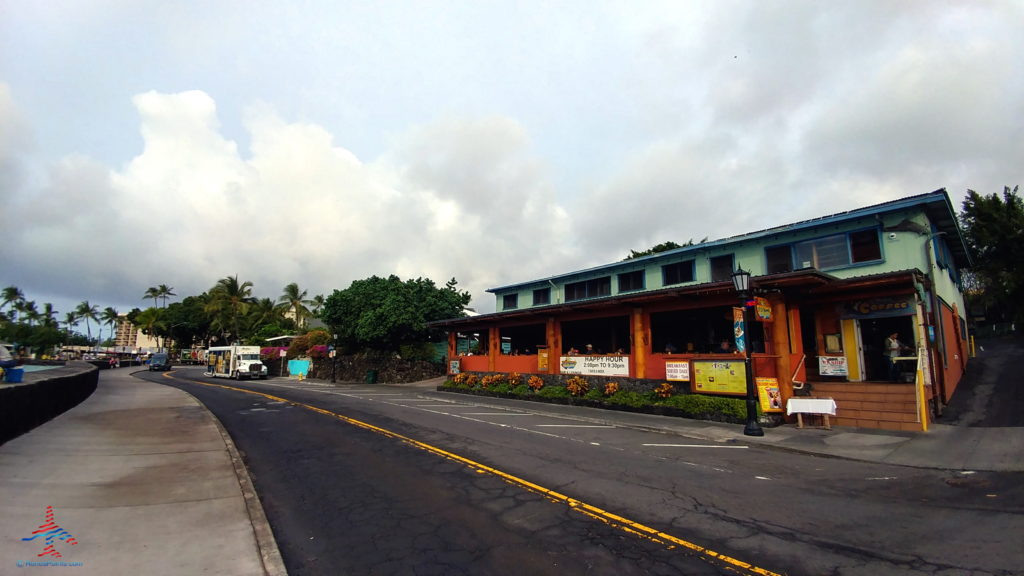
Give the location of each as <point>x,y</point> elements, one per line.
<point>719,377</point>
<point>763,309</point>
<point>769,394</point>
<point>542,359</point>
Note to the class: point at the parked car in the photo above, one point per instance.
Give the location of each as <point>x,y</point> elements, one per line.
<point>160,361</point>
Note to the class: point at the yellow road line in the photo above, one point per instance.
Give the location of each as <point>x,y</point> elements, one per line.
<point>604,516</point>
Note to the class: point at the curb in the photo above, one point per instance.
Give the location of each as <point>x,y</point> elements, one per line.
<point>270,555</point>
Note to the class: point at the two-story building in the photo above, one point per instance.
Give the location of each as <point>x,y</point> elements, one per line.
<point>829,293</point>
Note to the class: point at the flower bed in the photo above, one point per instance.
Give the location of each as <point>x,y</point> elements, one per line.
<point>631,395</point>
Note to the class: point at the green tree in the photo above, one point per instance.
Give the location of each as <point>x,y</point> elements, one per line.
<point>229,301</point>
<point>150,321</point>
<point>154,293</point>
<point>385,313</point>
<point>109,318</point>
<point>86,311</point>
<point>164,292</point>
<point>663,247</point>
<point>994,229</point>
<point>70,321</point>
<point>294,299</point>
<point>12,296</point>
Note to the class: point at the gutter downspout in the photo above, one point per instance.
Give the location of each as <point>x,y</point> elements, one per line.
<point>933,319</point>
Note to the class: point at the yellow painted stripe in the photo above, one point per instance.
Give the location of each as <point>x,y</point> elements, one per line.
<point>604,516</point>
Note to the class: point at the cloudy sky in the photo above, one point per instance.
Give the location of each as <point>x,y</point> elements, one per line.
<point>321,142</point>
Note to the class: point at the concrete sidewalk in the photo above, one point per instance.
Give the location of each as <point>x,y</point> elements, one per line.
<point>145,481</point>
<point>942,447</point>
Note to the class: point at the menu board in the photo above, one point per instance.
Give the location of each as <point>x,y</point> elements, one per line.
<point>719,377</point>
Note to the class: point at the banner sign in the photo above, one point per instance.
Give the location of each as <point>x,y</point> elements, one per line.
<point>677,371</point>
<point>595,365</point>
<point>738,329</point>
<point>832,366</point>
<point>453,367</point>
<point>769,394</point>
<point>763,309</point>
<point>719,377</point>
<point>879,308</point>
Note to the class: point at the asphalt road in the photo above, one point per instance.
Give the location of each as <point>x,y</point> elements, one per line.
<point>393,480</point>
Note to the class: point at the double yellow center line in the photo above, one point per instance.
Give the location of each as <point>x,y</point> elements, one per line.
<point>609,518</point>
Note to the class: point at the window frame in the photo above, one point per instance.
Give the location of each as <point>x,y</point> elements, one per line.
<point>632,278</point>
<point>680,266</point>
<point>592,288</point>
<point>505,298</point>
<point>547,296</point>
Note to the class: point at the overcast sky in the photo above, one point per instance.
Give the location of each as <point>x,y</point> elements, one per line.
<point>153,142</point>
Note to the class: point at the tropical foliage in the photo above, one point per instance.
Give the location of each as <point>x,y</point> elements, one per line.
<point>994,229</point>
<point>385,313</point>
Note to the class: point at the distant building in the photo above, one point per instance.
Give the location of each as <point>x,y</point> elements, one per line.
<point>830,291</point>
<point>130,338</point>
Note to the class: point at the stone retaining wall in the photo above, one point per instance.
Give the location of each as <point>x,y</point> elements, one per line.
<point>42,396</point>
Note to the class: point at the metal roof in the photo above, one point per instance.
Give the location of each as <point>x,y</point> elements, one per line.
<point>935,204</point>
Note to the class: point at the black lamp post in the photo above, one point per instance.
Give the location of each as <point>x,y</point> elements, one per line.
<point>334,358</point>
<point>741,282</point>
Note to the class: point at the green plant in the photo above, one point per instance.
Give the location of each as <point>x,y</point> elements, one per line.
<point>701,406</point>
<point>577,385</point>
<point>595,394</point>
<point>627,398</point>
<point>501,388</point>
<point>554,392</point>
<point>522,390</point>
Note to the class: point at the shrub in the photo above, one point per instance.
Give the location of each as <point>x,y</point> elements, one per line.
<point>664,390</point>
<point>595,394</point>
<point>699,405</point>
<point>501,388</point>
<point>535,383</point>
<point>626,398</point>
<point>514,379</point>
<point>491,380</point>
<point>611,388</point>
<point>522,390</point>
<point>472,380</point>
<point>554,392</point>
<point>577,385</point>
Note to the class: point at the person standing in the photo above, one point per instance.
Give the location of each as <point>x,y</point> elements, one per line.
<point>893,347</point>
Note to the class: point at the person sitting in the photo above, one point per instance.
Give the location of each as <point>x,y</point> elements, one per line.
<point>670,348</point>
<point>724,347</point>
<point>590,350</point>
<point>7,360</point>
<point>573,351</point>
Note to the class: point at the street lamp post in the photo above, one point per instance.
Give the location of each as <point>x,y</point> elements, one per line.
<point>741,282</point>
<point>334,358</point>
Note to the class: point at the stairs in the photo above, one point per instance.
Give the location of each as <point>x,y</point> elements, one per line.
<point>879,405</point>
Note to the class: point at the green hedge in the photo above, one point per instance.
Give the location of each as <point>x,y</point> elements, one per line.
<point>695,406</point>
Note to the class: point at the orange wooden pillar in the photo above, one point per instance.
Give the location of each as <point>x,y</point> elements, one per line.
<point>553,336</point>
<point>493,347</point>
<point>641,336</point>
<point>453,338</point>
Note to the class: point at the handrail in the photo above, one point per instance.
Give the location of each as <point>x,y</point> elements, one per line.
<point>797,371</point>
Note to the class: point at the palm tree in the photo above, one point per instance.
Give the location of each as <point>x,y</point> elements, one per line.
<point>229,300</point>
<point>154,293</point>
<point>149,321</point>
<point>109,317</point>
<point>163,292</point>
<point>294,300</point>
<point>29,311</point>
<point>11,297</point>
<point>88,312</point>
<point>48,315</point>
<point>318,304</point>
<point>70,320</point>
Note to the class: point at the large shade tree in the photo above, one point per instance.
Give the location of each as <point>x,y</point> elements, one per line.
<point>385,313</point>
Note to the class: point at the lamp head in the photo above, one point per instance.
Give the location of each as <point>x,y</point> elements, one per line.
<point>741,280</point>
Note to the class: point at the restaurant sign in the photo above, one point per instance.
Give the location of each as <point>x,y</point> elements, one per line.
<point>832,366</point>
<point>719,377</point>
<point>595,365</point>
<point>879,308</point>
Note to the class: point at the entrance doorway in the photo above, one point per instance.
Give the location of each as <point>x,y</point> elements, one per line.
<point>873,332</point>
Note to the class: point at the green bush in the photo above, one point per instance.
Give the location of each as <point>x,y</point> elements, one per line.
<point>699,405</point>
<point>553,392</point>
<point>522,390</point>
<point>595,394</point>
<point>502,388</point>
<point>627,398</point>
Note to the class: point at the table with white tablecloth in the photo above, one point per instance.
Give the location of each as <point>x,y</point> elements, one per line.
<point>800,406</point>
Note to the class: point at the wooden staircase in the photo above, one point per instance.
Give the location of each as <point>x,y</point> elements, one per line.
<point>878,405</point>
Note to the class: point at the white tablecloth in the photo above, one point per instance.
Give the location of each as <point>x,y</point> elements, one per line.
<point>811,406</point>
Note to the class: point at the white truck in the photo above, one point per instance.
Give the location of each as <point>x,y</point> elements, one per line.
<point>236,362</point>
